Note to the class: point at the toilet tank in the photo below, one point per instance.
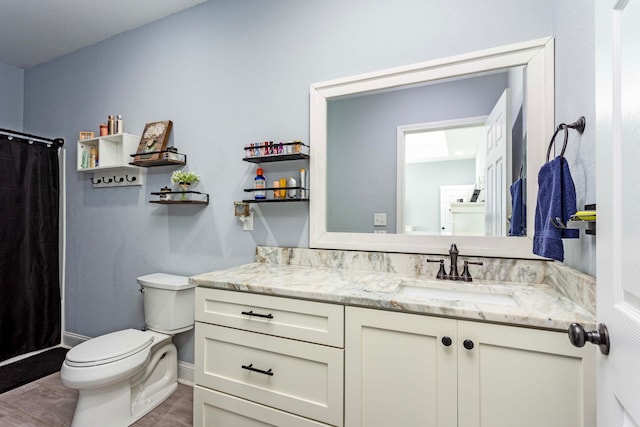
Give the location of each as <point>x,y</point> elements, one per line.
<point>168,302</point>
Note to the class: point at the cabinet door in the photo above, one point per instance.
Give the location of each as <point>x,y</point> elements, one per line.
<point>523,377</point>
<point>398,372</point>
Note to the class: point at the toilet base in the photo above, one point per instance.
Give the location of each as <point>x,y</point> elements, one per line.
<point>152,387</point>
<point>110,405</point>
<point>123,403</point>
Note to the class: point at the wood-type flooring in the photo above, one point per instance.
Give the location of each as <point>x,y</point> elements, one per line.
<point>48,403</point>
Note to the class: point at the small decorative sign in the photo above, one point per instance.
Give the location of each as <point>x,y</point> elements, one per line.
<point>154,139</point>
<point>86,134</point>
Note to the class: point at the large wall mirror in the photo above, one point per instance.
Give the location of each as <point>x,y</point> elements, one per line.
<point>414,158</point>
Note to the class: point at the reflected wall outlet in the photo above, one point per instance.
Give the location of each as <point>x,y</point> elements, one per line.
<point>379,219</point>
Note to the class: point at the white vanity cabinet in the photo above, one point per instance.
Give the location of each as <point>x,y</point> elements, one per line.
<point>262,360</point>
<point>399,370</point>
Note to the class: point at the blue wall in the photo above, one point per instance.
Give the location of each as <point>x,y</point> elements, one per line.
<point>11,97</point>
<point>232,72</point>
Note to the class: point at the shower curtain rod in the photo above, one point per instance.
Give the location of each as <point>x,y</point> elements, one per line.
<point>29,137</point>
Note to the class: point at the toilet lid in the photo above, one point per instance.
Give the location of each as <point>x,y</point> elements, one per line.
<point>109,348</point>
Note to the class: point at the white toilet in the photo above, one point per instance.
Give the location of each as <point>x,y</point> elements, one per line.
<point>123,375</point>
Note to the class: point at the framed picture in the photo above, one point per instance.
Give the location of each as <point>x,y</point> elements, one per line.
<point>154,139</point>
<point>86,135</point>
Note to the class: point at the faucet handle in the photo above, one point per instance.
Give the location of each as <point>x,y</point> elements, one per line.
<point>466,276</point>
<point>441,273</point>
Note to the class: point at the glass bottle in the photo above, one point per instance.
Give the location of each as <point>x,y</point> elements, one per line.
<point>259,185</point>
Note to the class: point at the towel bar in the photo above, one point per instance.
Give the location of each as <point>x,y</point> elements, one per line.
<point>578,125</point>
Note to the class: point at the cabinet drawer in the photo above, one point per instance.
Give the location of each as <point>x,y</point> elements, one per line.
<point>284,317</point>
<point>297,377</point>
<point>215,409</point>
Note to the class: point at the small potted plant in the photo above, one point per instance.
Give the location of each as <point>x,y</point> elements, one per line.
<point>184,179</point>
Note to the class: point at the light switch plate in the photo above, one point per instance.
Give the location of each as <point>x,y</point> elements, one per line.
<point>379,219</point>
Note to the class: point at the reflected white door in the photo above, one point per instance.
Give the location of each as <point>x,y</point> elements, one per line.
<point>498,166</point>
<point>618,179</point>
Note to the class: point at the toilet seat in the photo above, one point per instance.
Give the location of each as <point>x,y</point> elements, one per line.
<point>109,348</point>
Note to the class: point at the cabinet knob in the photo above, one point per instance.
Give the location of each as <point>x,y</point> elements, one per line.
<point>446,341</point>
<point>578,337</point>
<point>468,344</point>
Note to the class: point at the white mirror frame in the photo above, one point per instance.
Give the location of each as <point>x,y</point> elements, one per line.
<point>537,55</point>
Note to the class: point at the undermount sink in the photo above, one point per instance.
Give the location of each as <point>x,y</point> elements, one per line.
<point>480,294</point>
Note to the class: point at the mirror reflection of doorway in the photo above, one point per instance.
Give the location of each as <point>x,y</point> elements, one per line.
<point>439,167</point>
<point>471,153</point>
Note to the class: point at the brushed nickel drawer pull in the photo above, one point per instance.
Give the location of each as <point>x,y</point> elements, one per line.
<point>251,313</point>
<point>261,371</point>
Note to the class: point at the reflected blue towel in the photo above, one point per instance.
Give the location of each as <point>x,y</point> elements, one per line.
<point>556,199</point>
<point>518,214</point>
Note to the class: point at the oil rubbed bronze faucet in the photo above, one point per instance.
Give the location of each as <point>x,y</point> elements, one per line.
<point>453,257</point>
<point>453,269</point>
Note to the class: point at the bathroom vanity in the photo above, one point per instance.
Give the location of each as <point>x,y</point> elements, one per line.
<point>306,337</point>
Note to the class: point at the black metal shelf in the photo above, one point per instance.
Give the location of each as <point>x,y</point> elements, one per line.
<point>276,158</point>
<point>251,190</point>
<point>164,161</point>
<point>302,152</point>
<point>285,199</point>
<point>180,201</point>
<point>274,200</point>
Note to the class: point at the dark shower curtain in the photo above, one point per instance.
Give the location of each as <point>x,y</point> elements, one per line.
<point>29,265</point>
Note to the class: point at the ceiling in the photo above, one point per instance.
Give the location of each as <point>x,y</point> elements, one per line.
<point>37,31</point>
<point>443,144</point>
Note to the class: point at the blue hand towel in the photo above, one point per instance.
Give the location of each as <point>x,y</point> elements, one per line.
<point>518,214</point>
<point>556,199</point>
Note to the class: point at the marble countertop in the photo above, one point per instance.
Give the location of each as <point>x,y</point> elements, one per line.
<point>533,305</point>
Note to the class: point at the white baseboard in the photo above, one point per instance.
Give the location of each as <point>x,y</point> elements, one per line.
<point>70,340</point>
<point>185,369</point>
<point>185,373</point>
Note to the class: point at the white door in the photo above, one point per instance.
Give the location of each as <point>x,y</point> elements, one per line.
<point>618,179</point>
<point>498,166</point>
